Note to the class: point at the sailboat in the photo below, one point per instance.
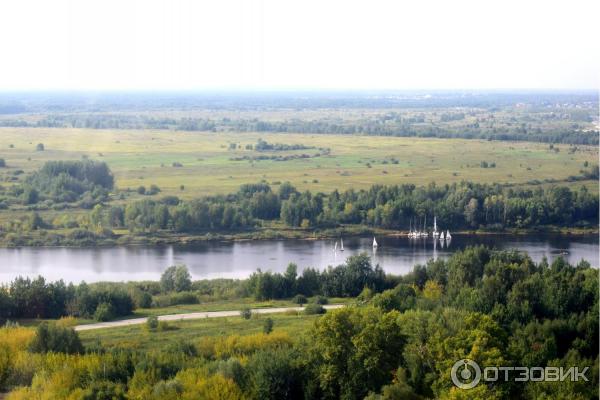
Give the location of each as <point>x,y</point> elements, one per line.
<point>448,235</point>
<point>411,233</point>
<point>374,243</point>
<point>342,245</point>
<point>442,235</point>
<point>435,231</point>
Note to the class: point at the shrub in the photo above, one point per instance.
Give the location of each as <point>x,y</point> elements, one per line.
<point>104,312</point>
<point>2,163</point>
<point>141,190</point>
<point>67,322</point>
<point>54,338</point>
<point>40,147</point>
<point>300,299</point>
<point>181,347</point>
<point>6,365</point>
<point>173,299</point>
<point>153,190</point>
<point>246,313</point>
<point>268,326</point>
<point>141,299</point>
<point>152,323</point>
<point>313,308</point>
<point>164,326</point>
<point>320,300</point>
<point>224,347</point>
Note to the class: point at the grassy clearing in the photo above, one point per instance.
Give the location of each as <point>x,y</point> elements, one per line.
<point>138,337</point>
<point>145,157</point>
<point>224,305</point>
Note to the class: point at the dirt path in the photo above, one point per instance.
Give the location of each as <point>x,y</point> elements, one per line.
<point>196,315</point>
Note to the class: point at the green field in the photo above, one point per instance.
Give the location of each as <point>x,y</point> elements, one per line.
<point>138,337</point>
<point>145,157</point>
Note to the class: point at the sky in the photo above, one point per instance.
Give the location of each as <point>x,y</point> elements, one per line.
<point>305,44</point>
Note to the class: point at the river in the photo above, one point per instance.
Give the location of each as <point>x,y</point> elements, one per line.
<point>396,255</point>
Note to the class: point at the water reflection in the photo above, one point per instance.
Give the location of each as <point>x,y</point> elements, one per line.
<point>239,259</point>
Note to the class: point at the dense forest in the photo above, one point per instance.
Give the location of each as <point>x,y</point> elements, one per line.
<point>398,340</point>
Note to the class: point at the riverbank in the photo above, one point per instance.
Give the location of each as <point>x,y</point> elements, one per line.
<point>79,238</point>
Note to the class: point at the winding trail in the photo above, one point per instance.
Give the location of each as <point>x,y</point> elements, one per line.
<point>195,315</point>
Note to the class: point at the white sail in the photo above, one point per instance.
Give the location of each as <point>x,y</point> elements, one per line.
<point>342,245</point>
<point>335,247</point>
<point>374,242</point>
<point>442,235</point>
<point>448,235</point>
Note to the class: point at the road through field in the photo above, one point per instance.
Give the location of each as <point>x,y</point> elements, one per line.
<point>196,315</point>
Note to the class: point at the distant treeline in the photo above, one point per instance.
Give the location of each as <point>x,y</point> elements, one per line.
<point>458,206</point>
<point>466,205</point>
<point>73,102</point>
<point>463,205</point>
<point>390,124</point>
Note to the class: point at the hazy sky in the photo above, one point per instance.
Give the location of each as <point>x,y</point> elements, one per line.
<point>370,44</point>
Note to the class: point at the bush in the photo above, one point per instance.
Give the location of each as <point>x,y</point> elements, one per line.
<point>268,326</point>
<point>2,163</point>
<point>320,300</point>
<point>104,312</point>
<point>313,308</point>
<point>141,299</point>
<point>174,299</point>
<point>300,299</point>
<point>153,190</point>
<point>152,323</point>
<point>164,326</point>
<point>54,338</point>
<point>40,147</point>
<point>246,313</point>
<point>141,190</point>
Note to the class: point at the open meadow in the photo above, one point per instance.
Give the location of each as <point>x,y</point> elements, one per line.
<point>193,164</point>
<point>138,337</point>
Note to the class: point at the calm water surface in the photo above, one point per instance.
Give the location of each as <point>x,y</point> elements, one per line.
<point>240,259</point>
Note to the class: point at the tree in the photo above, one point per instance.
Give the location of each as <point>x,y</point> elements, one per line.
<point>273,375</point>
<point>104,312</point>
<point>356,351</point>
<point>176,278</point>
<point>55,338</point>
